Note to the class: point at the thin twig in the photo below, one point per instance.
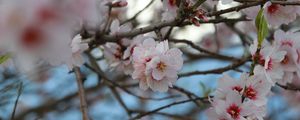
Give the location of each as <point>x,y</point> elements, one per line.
<point>166,106</point>
<point>137,14</point>
<point>288,87</point>
<point>197,47</point>
<point>119,99</point>
<point>218,70</point>
<point>83,103</point>
<point>17,99</point>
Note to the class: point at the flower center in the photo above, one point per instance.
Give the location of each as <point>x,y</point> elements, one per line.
<point>234,111</point>
<point>118,54</point>
<point>250,93</point>
<point>273,8</point>
<point>31,37</point>
<point>287,43</point>
<point>285,60</point>
<point>172,2</point>
<point>161,66</point>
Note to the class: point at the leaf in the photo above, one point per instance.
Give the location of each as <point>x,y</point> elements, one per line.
<point>206,91</point>
<point>261,26</point>
<point>4,58</point>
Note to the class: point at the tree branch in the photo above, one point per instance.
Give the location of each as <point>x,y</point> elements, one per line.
<point>83,103</point>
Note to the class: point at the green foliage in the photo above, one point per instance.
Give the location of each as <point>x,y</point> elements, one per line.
<point>261,26</point>
<point>206,90</point>
<point>4,58</point>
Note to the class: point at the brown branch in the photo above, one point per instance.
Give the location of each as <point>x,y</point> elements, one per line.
<point>81,93</point>
<point>17,100</point>
<point>53,104</point>
<point>190,43</point>
<point>187,93</point>
<point>166,106</point>
<point>177,117</point>
<point>286,2</point>
<point>137,14</point>
<point>232,9</point>
<point>218,70</point>
<point>288,87</point>
<point>119,99</point>
<point>102,39</point>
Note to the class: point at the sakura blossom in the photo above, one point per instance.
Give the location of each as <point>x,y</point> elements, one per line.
<point>171,7</point>
<point>228,103</point>
<point>269,59</point>
<point>227,84</point>
<point>233,108</point>
<point>114,54</point>
<point>78,47</point>
<point>116,28</point>
<point>277,14</point>
<point>155,65</point>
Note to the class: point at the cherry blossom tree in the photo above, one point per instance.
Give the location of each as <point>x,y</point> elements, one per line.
<point>149,66</point>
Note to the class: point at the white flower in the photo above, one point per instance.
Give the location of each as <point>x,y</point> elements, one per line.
<point>115,27</point>
<point>170,9</point>
<point>155,65</point>
<point>287,41</point>
<point>256,89</point>
<point>113,53</point>
<point>133,43</point>
<point>77,48</point>
<point>164,67</point>
<point>269,59</point>
<point>276,14</point>
<point>233,108</point>
<point>227,84</point>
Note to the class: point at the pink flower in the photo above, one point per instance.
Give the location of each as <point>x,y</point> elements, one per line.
<point>142,54</point>
<point>113,53</point>
<point>170,9</point>
<point>77,49</point>
<point>227,84</point>
<point>276,14</point>
<point>116,28</point>
<point>269,59</point>
<point>164,68</point>
<point>256,89</point>
<point>133,43</point>
<point>287,41</point>
<point>233,108</point>
<point>155,65</point>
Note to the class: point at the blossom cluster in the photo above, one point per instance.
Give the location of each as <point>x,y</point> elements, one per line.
<point>275,14</point>
<point>152,63</point>
<point>277,63</point>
